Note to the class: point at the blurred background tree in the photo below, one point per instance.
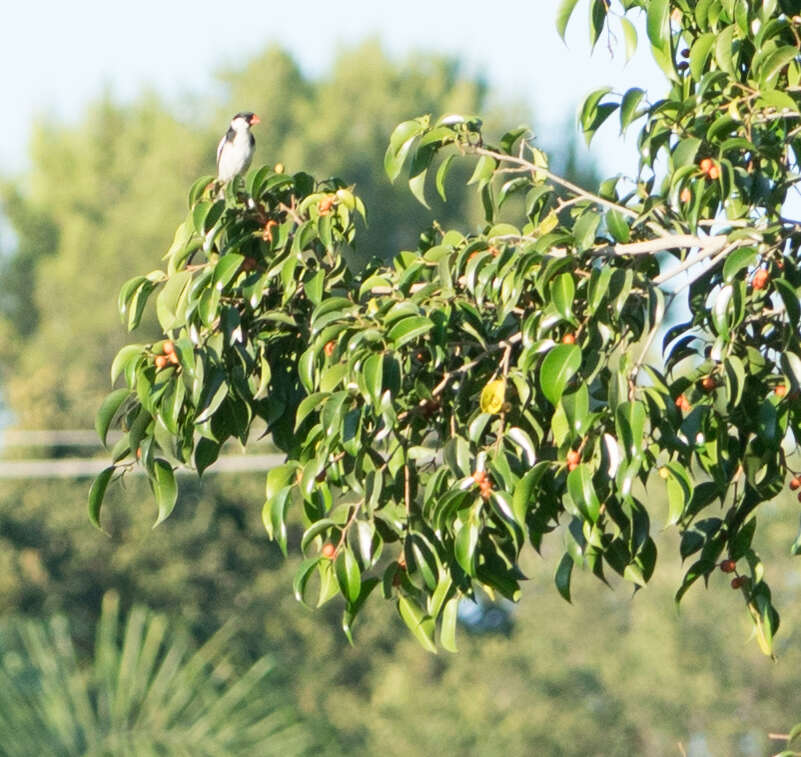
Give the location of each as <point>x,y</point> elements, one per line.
<point>610,676</point>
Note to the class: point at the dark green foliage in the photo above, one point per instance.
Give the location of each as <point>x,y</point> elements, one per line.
<point>433,422</point>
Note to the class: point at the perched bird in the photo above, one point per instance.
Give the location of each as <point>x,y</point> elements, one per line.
<point>235,150</point>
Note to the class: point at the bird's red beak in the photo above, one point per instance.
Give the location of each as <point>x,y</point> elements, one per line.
<point>254,119</point>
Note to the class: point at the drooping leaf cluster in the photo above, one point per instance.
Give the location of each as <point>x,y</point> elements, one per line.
<point>488,389</point>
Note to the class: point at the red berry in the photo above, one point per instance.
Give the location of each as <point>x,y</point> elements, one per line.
<point>728,566</point>
<point>780,390</point>
<point>737,582</point>
<point>795,483</point>
<point>325,205</point>
<point>569,339</point>
<point>708,383</point>
<point>760,279</point>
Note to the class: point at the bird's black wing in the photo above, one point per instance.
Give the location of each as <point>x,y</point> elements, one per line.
<point>229,137</point>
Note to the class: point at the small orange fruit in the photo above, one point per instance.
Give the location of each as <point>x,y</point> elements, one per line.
<point>780,390</point>
<point>329,550</point>
<point>713,173</point>
<point>795,483</point>
<point>325,205</point>
<point>479,476</point>
<point>168,347</point>
<point>329,348</point>
<point>705,165</point>
<point>569,339</point>
<point>162,361</point>
<point>761,278</point>
<point>708,383</point>
<point>686,195</point>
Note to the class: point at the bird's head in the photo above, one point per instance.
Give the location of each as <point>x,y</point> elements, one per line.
<point>244,120</point>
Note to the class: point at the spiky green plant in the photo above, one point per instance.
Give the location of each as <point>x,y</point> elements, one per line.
<point>146,690</point>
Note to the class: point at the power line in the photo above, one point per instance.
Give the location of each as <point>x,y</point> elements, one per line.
<point>80,467</point>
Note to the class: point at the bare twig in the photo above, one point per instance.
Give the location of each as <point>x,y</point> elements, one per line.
<point>703,254</point>
<point>569,185</point>
<point>723,253</point>
<point>662,243</point>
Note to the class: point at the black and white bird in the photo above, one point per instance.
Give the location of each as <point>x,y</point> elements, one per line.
<point>235,150</point>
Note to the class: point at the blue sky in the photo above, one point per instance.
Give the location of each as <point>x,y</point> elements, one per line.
<point>58,56</point>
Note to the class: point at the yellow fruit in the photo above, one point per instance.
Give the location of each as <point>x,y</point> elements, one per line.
<point>492,397</point>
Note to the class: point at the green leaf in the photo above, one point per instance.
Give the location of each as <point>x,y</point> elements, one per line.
<point>630,37</point>
<point>373,373</point>
<point>594,113</point>
<point>658,23</point>
<point>680,489</point>
<point>465,544</point>
<point>685,152</point>
<point>743,257</point>
<point>447,633</point>
<point>442,172</point>
<point>630,425</point>
<point>198,188</point>
<point>96,494</point>
<point>775,62</point>
<point>789,297</point>
<point>420,624</point>
<point>628,106</point>
<point>399,144</point>
<point>699,54</point>
<point>563,14</point>
<point>124,360</point>
<point>585,229</point>
<point>581,491</point>
<point>724,49</point>
<point>214,392</point>
<point>558,367</point>
<point>302,576</point>
<point>226,269</point>
<point>171,302</point>
<point>108,409</point>
<point>417,174</point>
<point>348,574</point>
<point>485,167</point>
<point>409,329</point>
<point>164,488</point>
<point>563,290</point>
<point>562,576</point>
<point>618,228</point>
<point>306,369</point>
<point>206,453</point>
